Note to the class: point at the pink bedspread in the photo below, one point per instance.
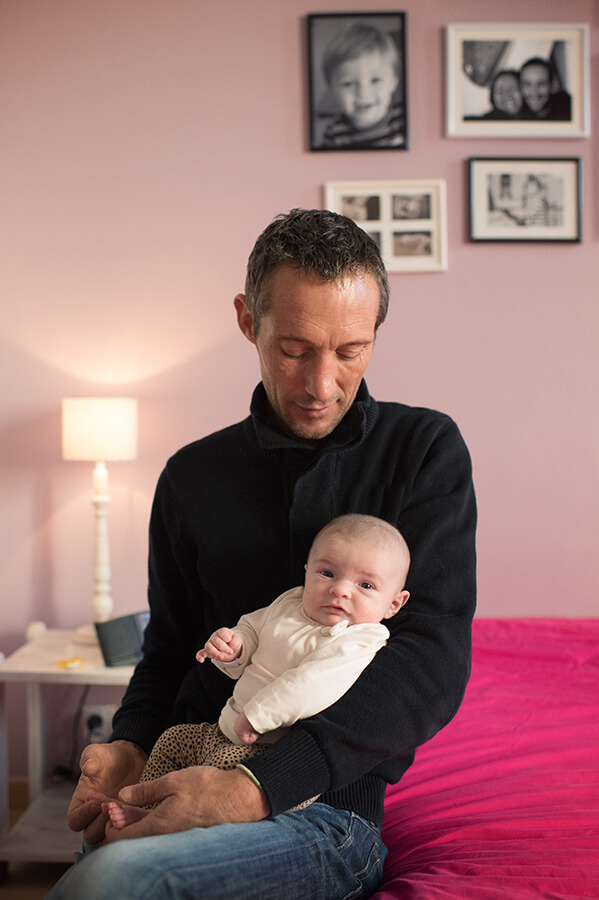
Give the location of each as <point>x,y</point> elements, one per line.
<point>504,802</point>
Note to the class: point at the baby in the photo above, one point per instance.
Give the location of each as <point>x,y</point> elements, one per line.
<point>295,657</point>
<point>361,68</point>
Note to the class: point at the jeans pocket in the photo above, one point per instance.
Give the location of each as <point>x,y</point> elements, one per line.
<point>365,846</point>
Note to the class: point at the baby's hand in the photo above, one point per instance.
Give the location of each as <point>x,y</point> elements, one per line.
<point>223,645</point>
<point>244,729</point>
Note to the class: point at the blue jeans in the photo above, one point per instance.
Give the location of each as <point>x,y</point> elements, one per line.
<point>319,853</point>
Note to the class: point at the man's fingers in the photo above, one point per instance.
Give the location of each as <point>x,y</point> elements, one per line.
<point>146,827</point>
<point>146,792</point>
<point>89,819</point>
<point>91,762</point>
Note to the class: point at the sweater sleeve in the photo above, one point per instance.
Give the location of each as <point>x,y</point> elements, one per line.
<point>415,684</point>
<point>168,649</point>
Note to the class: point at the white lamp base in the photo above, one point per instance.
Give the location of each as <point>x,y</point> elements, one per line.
<point>102,603</point>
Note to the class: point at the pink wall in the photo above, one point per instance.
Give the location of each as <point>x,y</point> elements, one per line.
<point>144,144</point>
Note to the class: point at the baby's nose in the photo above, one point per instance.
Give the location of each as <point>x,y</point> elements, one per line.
<point>341,588</point>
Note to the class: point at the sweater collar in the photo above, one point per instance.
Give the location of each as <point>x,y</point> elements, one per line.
<point>355,425</point>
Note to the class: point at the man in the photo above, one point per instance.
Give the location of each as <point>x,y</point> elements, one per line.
<point>232,522</point>
<point>540,101</point>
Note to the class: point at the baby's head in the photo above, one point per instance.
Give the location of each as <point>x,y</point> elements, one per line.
<point>361,67</point>
<point>356,571</point>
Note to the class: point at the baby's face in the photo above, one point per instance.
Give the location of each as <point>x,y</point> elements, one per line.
<point>352,580</point>
<point>364,88</point>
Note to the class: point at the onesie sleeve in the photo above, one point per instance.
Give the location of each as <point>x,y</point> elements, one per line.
<point>248,628</point>
<point>319,680</point>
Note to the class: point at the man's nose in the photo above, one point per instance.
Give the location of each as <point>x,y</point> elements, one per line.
<point>321,379</point>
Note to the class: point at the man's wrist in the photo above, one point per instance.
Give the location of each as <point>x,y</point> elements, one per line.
<point>255,802</point>
<point>250,775</point>
<point>133,749</point>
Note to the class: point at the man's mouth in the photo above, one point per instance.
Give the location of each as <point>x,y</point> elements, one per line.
<point>316,412</point>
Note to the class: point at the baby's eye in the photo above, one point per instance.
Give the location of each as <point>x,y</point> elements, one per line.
<point>326,573</point>
<point>367,585</point>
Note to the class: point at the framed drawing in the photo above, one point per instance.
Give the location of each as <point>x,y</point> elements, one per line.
<point>507,80</point>
<point>357,72</point>
<point>528,199</point>
<point>407,219</point>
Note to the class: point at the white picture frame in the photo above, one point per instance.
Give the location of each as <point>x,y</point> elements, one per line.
<point>492,67</point>
<point>407,219</point>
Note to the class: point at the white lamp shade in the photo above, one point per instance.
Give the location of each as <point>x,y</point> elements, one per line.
<point>99,428</point>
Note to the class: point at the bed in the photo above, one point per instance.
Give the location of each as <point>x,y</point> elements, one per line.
<point>503,804</point>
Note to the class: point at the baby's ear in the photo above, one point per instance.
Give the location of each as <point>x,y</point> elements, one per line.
<point>397,603</point>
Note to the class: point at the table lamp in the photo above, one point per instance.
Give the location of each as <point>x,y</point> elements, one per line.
<point>100,430</point>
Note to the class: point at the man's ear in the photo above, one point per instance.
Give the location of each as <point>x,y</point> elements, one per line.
<point>397,603</point>
<point>244,318</point>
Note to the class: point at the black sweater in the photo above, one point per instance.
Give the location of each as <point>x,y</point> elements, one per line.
<point>232,522</point>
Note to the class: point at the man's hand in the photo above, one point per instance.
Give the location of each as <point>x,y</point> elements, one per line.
<point>105,768</point>
<point>224,645</point>
<point>192,798</point>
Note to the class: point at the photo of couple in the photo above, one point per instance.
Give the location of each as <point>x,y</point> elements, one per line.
<point>501,88</point>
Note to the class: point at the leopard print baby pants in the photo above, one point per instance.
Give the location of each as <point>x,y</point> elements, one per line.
<point>199,745</point>
<point>196,745</point>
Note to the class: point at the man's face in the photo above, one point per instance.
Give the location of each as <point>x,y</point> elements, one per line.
<point>314,346</point>
<point>535,85</point>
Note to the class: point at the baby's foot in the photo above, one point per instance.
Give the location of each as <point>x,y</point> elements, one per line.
<point>121,814</point>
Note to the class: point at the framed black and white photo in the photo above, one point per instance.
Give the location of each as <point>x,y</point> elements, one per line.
<point>528,199</point>
<point>407,219</point>
<point>508,80</point>
<point>357,75</point>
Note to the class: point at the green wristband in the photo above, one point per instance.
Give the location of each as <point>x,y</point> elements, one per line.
<point>250,774</point>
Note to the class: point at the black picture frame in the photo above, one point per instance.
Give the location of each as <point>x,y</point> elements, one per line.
<point>345,51</point>
<point>525,199</point>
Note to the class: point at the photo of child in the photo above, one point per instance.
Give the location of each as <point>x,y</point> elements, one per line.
<point>357,76</point>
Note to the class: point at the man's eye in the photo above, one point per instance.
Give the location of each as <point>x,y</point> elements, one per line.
<point>294,350</point>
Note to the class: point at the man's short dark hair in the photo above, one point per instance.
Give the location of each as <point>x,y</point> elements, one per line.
<point>321,243</point>
<point>537,61</point>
